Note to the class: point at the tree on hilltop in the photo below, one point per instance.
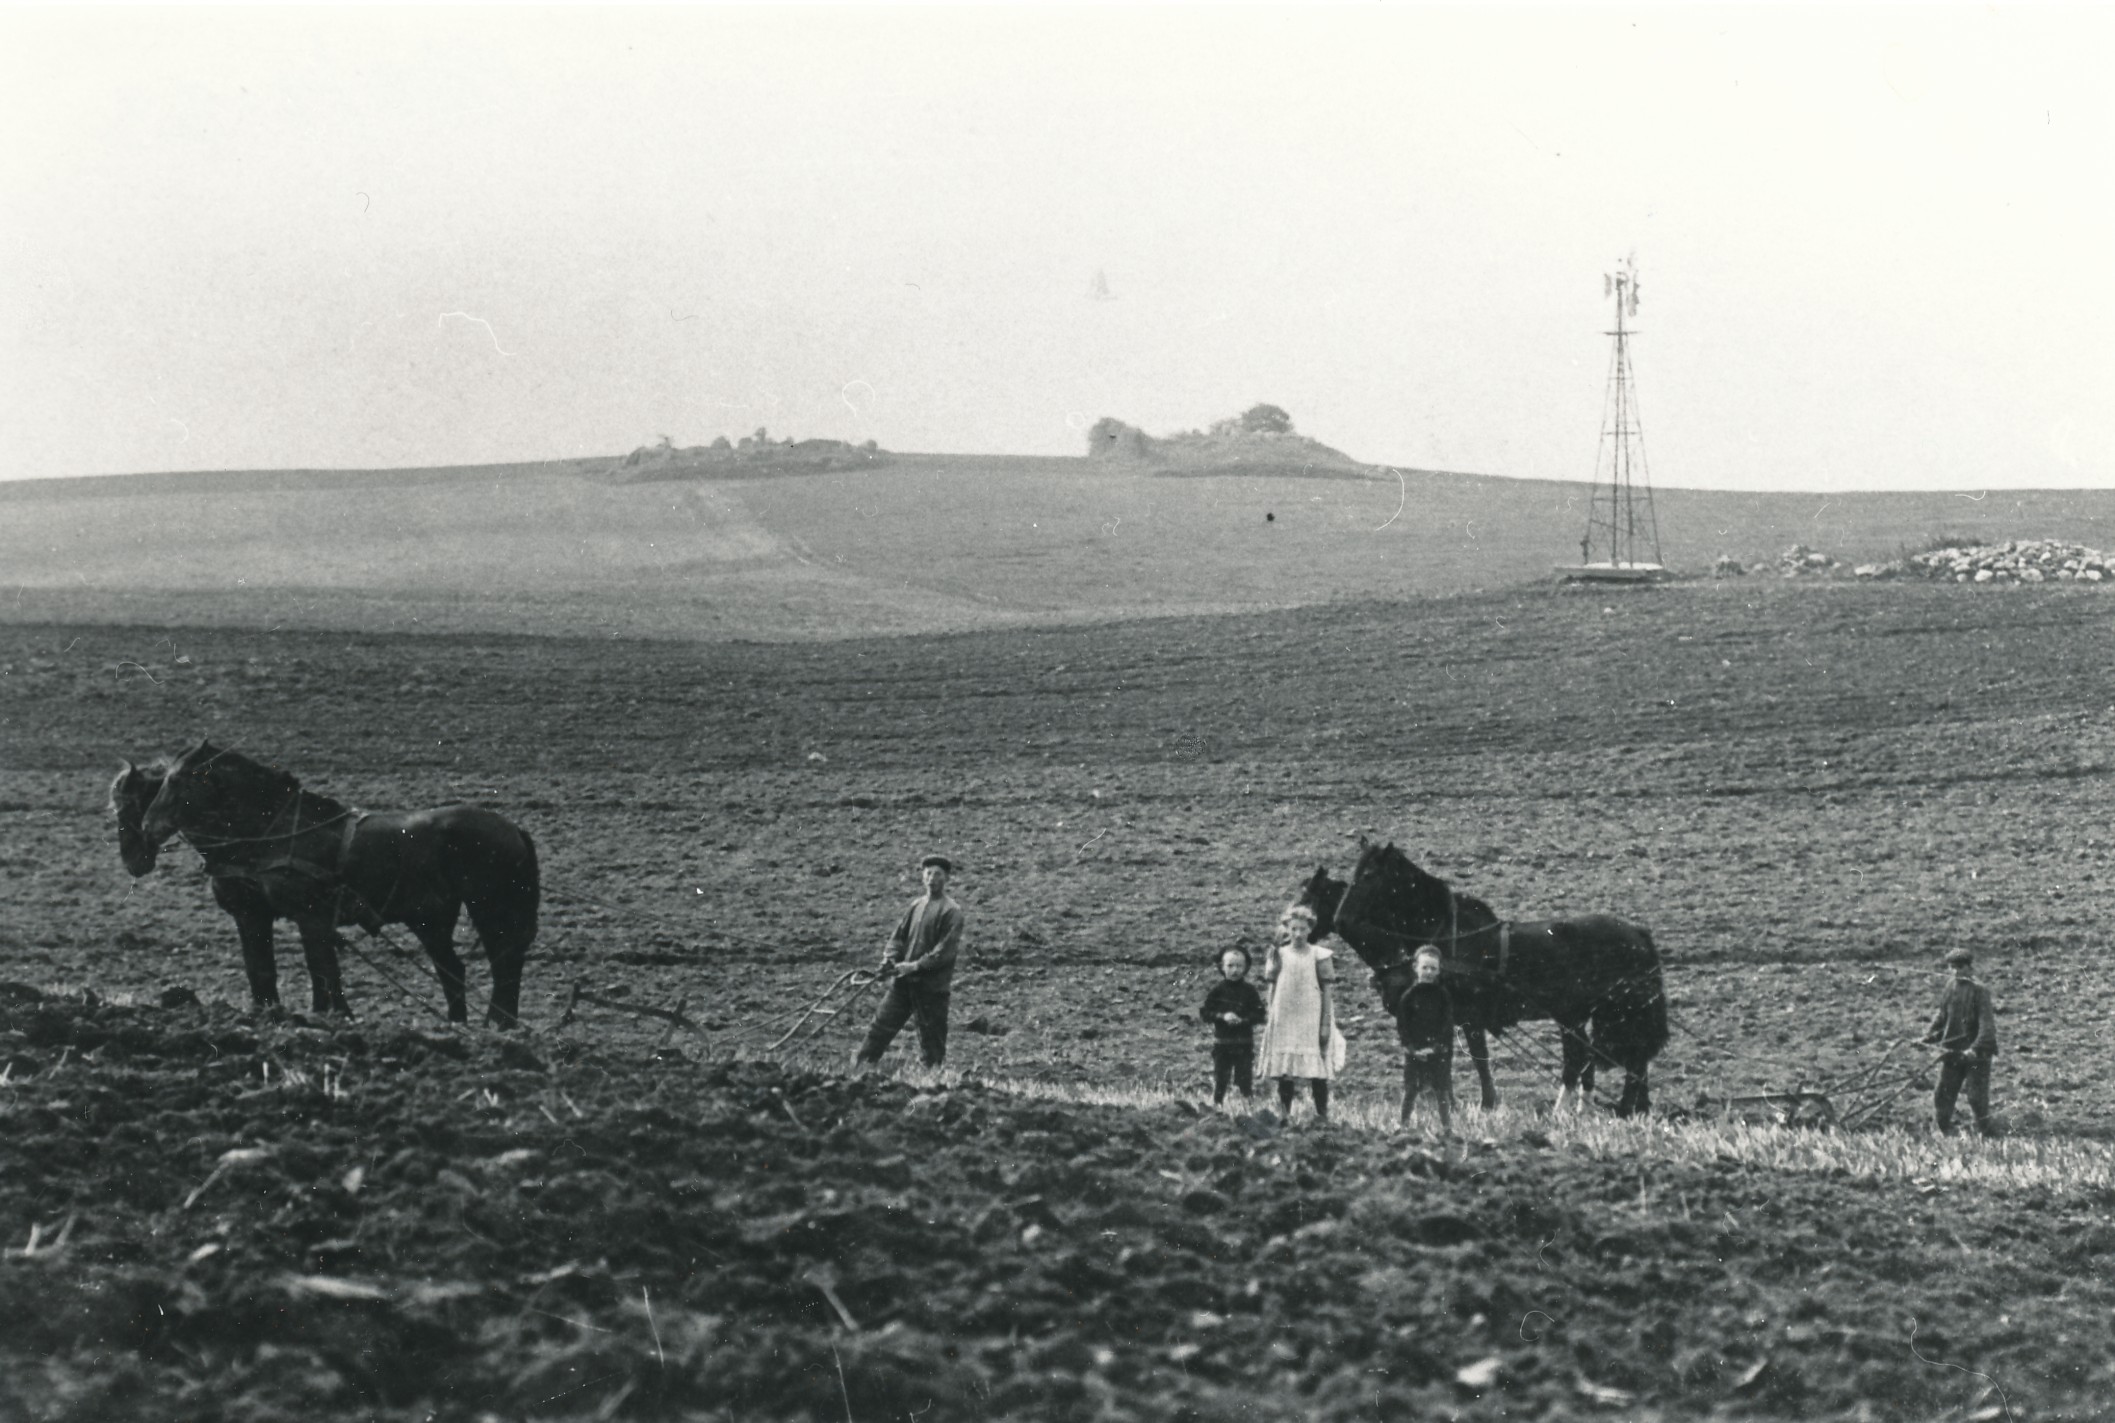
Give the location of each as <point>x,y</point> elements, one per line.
<point>1256,420</point>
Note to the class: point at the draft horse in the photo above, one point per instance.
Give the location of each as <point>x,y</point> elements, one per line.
<point>277,851</point>
<point>1597,977</point>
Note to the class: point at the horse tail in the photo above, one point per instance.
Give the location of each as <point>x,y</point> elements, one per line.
<point>503,908</point>
<point>1631,1027</point>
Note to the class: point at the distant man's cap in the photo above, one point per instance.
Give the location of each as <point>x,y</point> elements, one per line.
<point>1959,957</point>
<point>941,860</point>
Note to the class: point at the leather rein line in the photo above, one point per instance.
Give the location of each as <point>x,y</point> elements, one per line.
<point>1454,937</point>
<point>205,845</point>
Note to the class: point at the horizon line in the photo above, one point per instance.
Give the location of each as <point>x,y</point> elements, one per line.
<point>1965,491</point>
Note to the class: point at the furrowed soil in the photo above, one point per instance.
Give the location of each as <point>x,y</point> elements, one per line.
<point>1807,793</point>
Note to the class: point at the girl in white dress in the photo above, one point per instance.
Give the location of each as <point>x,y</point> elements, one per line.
<point>1297,1041</point>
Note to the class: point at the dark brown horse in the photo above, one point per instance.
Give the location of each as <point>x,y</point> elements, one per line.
<point>1393,975</point>
<point>1597,977</point>
<point>245,901</point>
<point>287,853</point>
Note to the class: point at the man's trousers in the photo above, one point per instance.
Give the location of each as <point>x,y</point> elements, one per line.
<point>901,1004</point>
<point>1974,1069</point>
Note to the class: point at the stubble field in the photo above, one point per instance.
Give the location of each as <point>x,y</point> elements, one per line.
<point>1807,793</point>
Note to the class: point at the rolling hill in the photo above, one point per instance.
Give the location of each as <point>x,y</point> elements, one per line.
<point>919,543</point>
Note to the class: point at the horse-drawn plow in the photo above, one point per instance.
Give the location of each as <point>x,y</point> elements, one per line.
<point>1852,1101</point>
<point>802,1033</point>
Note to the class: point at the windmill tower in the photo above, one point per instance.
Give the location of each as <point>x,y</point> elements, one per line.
<point>1622,542</point>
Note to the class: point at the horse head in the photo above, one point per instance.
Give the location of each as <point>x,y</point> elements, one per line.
<point>130,795</point>
<point>1322,893</point>
<point>211,789</point>
<point>1392,904</point>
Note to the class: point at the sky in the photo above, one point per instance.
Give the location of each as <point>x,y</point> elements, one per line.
<point>1876,247</point>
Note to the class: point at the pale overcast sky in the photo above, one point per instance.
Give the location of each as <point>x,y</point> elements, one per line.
<point>1877,247</point>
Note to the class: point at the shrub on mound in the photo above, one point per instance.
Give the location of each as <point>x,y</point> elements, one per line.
<point>1259,438</point>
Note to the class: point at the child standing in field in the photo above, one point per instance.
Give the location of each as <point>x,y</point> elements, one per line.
<point>1298,1038</point>
<point>1233,1008</point>
<point>1424,1022</point>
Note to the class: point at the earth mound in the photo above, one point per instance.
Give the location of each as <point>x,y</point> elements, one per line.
<point>755,456</point>
<point>1261,440</point>
<point>211,1215</point>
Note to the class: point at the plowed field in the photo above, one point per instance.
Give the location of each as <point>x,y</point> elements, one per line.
<point>1806,793</point>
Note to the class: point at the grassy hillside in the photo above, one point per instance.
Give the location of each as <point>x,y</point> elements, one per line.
<point>924,543</point>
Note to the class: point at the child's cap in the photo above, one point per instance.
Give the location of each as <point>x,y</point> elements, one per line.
<point>1220,957</point>
<point>1427,951</point>
<point>1960,958</point>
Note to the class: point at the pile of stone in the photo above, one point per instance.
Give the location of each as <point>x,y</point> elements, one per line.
<point>1799,561</point>
<point>2014,561</point>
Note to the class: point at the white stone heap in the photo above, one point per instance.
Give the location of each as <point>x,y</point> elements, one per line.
<point>2014,561</point>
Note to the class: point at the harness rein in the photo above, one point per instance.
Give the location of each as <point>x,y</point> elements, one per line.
<point>351,817</point>
<point>1454,937</point>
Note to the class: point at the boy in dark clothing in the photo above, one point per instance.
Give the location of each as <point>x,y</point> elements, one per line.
<point>1424,1022</point>
<point>1965,1032</point>
<point>1233,1008</point>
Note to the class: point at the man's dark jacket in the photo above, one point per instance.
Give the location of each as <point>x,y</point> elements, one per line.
<point>1965,1022</point>
<point>925,944</point>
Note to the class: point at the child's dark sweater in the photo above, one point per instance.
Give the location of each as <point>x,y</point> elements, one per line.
<point>1424,1019</point>
<point>1232,996</point>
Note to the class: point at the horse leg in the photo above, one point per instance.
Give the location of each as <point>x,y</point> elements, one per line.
<point>1480,1054</point>
<point>259,962</point>
<point>506,950</point>
<point>1637,1097</point>
<point>502,907</point>
<point>437,934</point>
<point>319,945</point>
<point>253,925</point>
<point>1577,1064</point>
<point>505,1008</point>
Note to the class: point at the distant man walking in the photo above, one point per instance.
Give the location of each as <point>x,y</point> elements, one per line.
<point>1965,1032</point>
<point>920,966</point>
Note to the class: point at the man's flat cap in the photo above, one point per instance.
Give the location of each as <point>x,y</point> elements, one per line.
<point>941,860</point>
<point>1960,956</point>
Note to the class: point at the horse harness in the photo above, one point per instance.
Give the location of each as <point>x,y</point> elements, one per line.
<point>1505,931</point>
<point>1454,937</point>
<point>328,876</point>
